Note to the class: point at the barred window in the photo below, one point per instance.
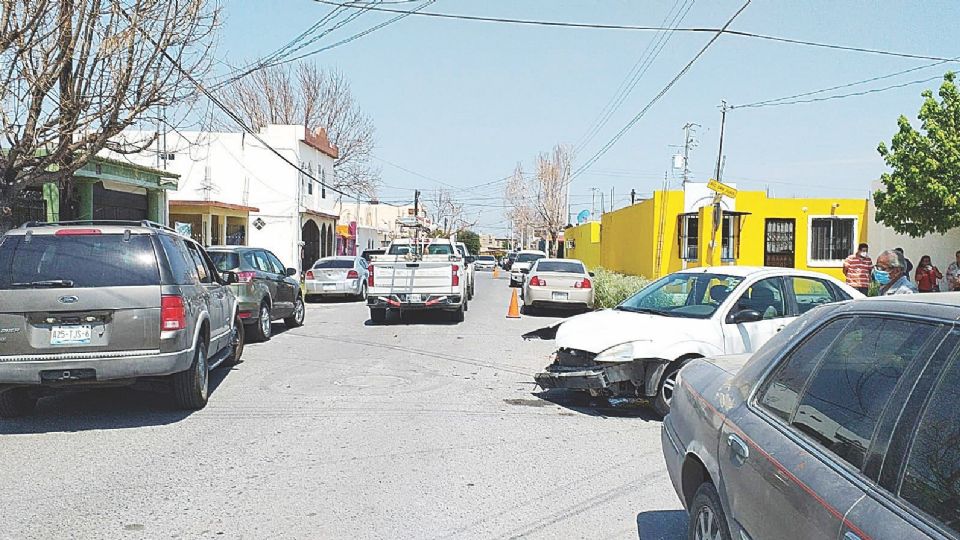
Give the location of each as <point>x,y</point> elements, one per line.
<point>688,228</point>
<point>831,239</point>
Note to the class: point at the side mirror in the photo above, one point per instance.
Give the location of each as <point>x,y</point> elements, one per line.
<point>745,316</point>
<point>291,272</point>
<point>229,277</point>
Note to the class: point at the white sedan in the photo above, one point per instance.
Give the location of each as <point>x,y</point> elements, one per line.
<point>559,284</point>
<point>636,348</point>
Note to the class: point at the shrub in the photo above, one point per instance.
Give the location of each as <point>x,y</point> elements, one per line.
<point>611,288</point>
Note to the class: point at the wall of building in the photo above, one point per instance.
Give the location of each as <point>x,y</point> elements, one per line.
<point>940,247</point>
<point>583,243</point>
<point>631,236</point>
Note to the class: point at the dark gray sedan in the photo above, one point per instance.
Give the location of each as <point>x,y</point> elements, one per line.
<point>845,425</point>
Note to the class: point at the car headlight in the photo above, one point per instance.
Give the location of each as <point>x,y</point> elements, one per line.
<point>624,352</point>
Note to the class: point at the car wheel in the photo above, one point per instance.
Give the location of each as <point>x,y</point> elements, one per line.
<point>299,311</point>
<point>191,387</point>
<point>378,315</point>
<point>707,520</point>
<point>237,340</point>
<point>665,390</point>
<point>262,330</point>
<point>363,293</point>
<point>16,402</point>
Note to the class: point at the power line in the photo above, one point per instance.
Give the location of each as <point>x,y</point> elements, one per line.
<point>606,147</point>
<point>842,96</point>
<point>601,26</point>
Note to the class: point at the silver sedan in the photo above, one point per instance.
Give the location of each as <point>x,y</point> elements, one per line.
<point>558,283</point>
<point>337,276</point>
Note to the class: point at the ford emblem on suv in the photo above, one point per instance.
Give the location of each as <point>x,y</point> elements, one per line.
<point>68,299</point>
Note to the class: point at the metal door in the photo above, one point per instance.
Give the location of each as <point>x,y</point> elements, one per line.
<point>780,243</point>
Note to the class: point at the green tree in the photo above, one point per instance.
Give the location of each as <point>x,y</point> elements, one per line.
<point>922,193</point>
<point>470,239</point>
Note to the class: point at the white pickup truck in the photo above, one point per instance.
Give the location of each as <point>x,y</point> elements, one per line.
<point>425,275</point>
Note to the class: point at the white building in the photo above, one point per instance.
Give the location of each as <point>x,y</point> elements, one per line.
<point>233,189</point>
<point>376,223</point>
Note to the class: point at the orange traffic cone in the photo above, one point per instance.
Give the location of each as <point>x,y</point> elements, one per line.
<point>513,312</point>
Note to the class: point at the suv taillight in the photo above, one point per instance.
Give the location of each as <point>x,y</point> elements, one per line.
<point>245,277</point>
<point>309,275</point>
<point>455,275</point>
<point>370,275</point>
<point>173,314</point>
<point>584,284</point>
<point>535,281</point>
<point>353,274</point>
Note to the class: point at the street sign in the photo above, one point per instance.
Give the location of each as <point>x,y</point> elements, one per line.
<point>722,189</point>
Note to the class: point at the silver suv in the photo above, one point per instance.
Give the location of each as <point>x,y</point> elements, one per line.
<point>108,303</point>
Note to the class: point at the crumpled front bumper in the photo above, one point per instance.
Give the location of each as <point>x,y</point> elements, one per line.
<point>603,377</point>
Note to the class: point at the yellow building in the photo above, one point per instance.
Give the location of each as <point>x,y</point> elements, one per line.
<point>672,230</point>
<point>583,242</point>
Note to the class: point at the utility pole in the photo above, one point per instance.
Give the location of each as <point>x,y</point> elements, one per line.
<point>689,143</point>
<point>723,122</point>
<point>593,203</point>
<point>416,204</point>
<point>633,197</point>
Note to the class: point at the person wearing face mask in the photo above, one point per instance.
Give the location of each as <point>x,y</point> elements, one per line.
<point>953,274</point>
<point>928,276</point>
<point>891,274</point>
<point>857,268</point>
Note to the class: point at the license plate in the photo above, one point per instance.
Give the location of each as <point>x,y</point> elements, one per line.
<point>71,335</point>
<point>560,295</point>
<point>329,287</point>
<point>414,298</point>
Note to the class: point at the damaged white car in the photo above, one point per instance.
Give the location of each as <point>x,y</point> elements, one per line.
<point>635,349</point>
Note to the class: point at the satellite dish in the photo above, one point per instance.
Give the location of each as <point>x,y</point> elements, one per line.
<point>583,216</point>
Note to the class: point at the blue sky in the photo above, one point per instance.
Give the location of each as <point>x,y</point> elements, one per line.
<point>462,102</point>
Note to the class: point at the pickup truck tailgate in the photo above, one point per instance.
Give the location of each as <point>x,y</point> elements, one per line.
<point>412,277</point>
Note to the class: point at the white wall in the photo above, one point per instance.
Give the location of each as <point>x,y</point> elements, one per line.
<point>940,247</point>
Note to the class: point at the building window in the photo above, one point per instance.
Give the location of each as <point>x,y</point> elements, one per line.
<point>688,227</point>
<point>323,184</point>
<point>730,248</point>
<point>831,239</point>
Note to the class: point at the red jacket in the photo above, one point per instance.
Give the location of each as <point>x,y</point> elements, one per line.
<point>927,279</point>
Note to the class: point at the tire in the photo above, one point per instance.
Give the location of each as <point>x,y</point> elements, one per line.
<point>661,404</point>
<point>458,315</point>
<point>378,315</point>
<point>237,342</point>
<point>299,311</point>
<point>191,387</point>
<point>466,304</point>
<point>363,293</point>
<point>261,330</point>
<point>16,402</point>
<point>707,520</point>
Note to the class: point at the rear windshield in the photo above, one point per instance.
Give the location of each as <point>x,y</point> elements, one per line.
<point>431,249</point>
<point>528,257</point>
<point>487,258</point>
<point>334,263</point>
<point>95,260</point>
<point>225,260</point>
<point>560,266</point>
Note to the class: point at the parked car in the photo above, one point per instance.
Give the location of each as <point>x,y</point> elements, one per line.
<point>521,266</point>
<point>486,262</point>
<point>508,260</point>
<point>559,284</point>
<point>266,290</point>
<point>98,303</point>
<point>418,276</point>
<point>369,254</point>
<point>337,276</point>
<point>471,270</point>
<point>636,348</point>
<point>843,426</point>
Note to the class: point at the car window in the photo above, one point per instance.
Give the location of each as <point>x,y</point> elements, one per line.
<point>249,261</point>
<point>780,394</point>
<point>765,297</point>
<point>560,266</point>
<point>849,390</point>
<point>333,263</point>
<point>203,272</point>
<point>528,257</point>
<point>262,263</point>
<point>439,249</point>
<point>182,266</point>
<point>82,260</point>
<point>931,480</point>
<point>683,294</point>
<point>225,260</point>
<point>811,292</point>
<point>278,266</point>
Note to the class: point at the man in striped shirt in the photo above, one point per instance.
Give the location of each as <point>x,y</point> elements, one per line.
<point>857,268</point>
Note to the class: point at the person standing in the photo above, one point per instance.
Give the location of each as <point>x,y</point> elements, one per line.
<point>857,268</point>
<point>928,276</point>
<point>891,274</point>
<point>909,264</point>
<point>953,274</point>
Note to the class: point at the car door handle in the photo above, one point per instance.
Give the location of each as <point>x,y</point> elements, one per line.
<point>738,447</point>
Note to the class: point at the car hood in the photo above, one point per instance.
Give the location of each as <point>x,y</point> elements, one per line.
<point>599,330</point>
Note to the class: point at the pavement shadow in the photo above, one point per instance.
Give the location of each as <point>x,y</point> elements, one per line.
<point>662,525</point>
<point>548,313</point>
<point>334,300</point>
<point>583,403</point>
<point>417,318</point>
<point>147,404</point>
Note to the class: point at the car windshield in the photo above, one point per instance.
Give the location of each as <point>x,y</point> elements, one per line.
<point>334,263</point>
<point>225,260</point>
<point>528,257</point>
<point>685,294</point>
<point>88,260</point>
<point>567,267</point>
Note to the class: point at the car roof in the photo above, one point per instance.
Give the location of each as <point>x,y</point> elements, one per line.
<point>232,248</point>
<point>105,227</point>
<point>555,259</point>
<point>338,258</point>
<point>533,251</point>
<point>746,271</point>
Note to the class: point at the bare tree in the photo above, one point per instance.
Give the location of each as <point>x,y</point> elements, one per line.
<point>309,95</point>
<point>447,213</point>
<point>517,196</point>
<point>75,73</point>
<point>550,184</point>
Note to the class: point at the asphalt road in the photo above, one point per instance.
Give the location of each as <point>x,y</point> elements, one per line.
<point>340,429</point>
